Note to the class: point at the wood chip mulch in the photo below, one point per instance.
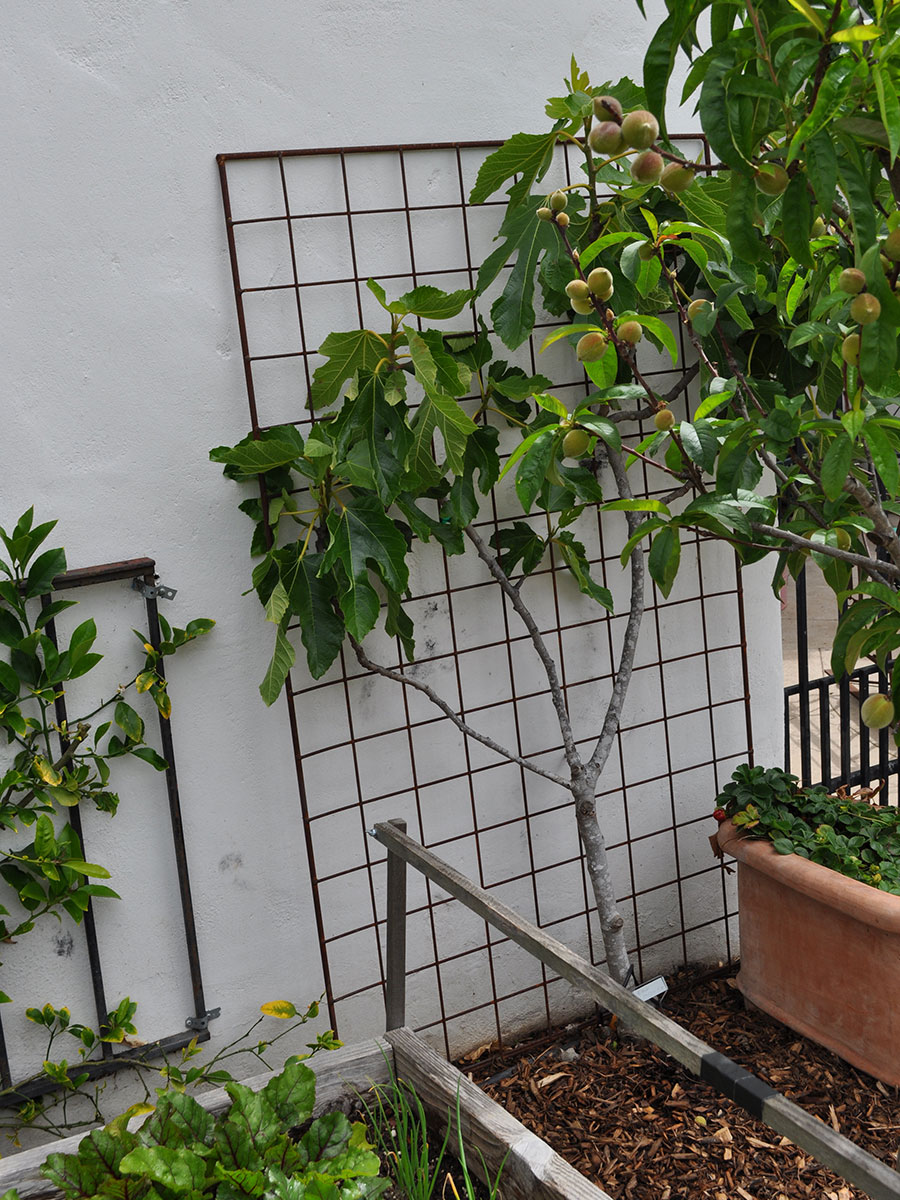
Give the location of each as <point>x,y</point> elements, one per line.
<point>641,1127</point>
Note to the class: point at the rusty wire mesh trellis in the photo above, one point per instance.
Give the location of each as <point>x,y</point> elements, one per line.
<point>305,229</point>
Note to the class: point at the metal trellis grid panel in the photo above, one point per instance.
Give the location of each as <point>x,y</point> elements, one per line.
<point>306,229</point>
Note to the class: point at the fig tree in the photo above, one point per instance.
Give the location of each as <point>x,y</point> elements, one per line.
<point>850,349</point>
<point>606,107</point>
<point>600,281</point>
<point>877,711</point>
<point>647,167</point>
<point>852,281</point>
<point>676,178</point>
<point>575,443</point>
<point>545,214</point>
<point>606,138</point>
<point>558,201</point>
<point>664,419</point>
<point>865,308</point>
<point>630,332</point>
<point>562,219</point>
<point>771,179</point>
<point>591,347</point>
<point>640,129</point>
<point>577,289</point>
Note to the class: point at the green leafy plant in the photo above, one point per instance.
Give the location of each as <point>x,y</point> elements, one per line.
<point>183,1150</point>
<point>397,1118</point>
<point>55,767</point>
<point>851,836</point>
<point>75,1101</point>
<point>780,262</point>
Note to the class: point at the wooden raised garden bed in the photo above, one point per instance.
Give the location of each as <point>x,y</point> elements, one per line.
<point>532,1170</point>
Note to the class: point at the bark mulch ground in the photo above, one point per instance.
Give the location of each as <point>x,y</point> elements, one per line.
<point>643,1128</point>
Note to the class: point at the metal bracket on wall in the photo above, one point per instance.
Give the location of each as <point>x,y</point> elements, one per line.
<point>154,591</point>
<point>203,1021</point>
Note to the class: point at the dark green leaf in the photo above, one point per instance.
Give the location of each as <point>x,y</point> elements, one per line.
<point>347,353</point>
<point>255,457</point>
<point>664,557</point>
<point>742,232</point>
<point>533,468</point>
<point>432,304</point>
<point>884,455</point>
<point>836,466</point>
<point>43,571</point>
<point>796,219</point>
<point>527,155</point>
<point>149,755</point>
<point>277,672</point>
<point>310,596</point>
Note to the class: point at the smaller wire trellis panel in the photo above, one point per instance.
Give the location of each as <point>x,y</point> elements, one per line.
<point>96,963</point>
<point>306,229</point>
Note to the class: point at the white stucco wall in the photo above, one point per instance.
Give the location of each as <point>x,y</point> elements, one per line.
<point>122,364</point>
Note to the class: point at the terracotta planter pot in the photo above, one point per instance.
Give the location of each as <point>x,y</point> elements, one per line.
<point>820,952</point>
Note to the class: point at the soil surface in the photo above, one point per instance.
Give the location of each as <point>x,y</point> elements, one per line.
<point>643,1128</point>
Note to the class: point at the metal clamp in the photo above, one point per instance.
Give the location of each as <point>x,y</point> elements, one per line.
<point>152,591</point>
<point>201,1023</point>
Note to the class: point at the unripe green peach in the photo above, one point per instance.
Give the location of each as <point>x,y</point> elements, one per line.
<point>818,228</point>
<point>640,129</point>
<point>591,347</point>
<point>676,178</point>
<point>575,443</point>
<point>842,538</point>
<point>891,246</point>
<point>562,219</point>
<point>582,307</point>
<point>646,251</point>
<point>545,214</point>
<point>600,281</point>
<point>606,138</point>
<point>577,289</point>
<point>630,332</point>
<point>886,265</point>
<point>877,711</point>
<point>771,179</point>
<point>664,419</point>
<point>852,281</point>
<point>865,308</point>
<point>606,107</point>
<point>850,349</point>
<point>696,307</point>
<point>647,167</point>
<point>558,201</point>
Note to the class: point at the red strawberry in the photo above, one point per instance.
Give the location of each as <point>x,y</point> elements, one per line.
<point>721,815</point>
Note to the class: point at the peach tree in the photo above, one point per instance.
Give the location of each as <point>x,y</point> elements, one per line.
<point>779,257</point>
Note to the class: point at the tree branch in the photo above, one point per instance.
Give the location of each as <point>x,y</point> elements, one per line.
<point>882,570</point>
<point>573,758</point>
<point>632,629</point>
<point>461,725</point>
<point>871,505</point>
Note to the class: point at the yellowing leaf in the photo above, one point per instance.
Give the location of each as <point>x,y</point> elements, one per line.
<point>283,1009</point>
<point>857,33</point>
<point>145,681</point>
<point>811,15</point>
<point>47,771</point>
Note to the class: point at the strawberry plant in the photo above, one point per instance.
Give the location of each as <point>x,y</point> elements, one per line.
<point>853,837</point>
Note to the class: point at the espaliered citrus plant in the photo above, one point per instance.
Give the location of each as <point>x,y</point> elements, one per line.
<point>49,768</point>
<point>779,257</point>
